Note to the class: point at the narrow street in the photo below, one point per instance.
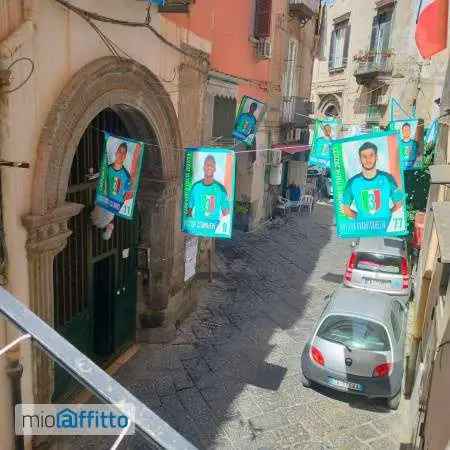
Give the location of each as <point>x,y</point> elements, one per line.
<point>231,379</point>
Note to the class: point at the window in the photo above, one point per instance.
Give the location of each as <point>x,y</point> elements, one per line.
<point>223,118</point>
<point>381,33</point>
<point>340,39</point>
<point>263,14</point>
<point>290,75</point>
<point>373,262</point>
<point>354,332</point>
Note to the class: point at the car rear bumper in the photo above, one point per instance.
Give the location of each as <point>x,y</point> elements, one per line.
<point>386,387</point>
<point>400,292</point>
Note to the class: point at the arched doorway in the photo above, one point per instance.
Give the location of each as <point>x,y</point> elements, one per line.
<point>330,106</point>
<point>95,280</point>
<point>131,101</point>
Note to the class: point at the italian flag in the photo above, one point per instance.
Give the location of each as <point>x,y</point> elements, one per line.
<point>431,28</point>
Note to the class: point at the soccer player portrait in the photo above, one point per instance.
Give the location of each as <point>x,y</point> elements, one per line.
<point>408,146</point>
<point>208,199</point>
<point>371,194</point>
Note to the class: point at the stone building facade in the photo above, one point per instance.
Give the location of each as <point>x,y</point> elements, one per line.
<point>78,88</point>
<point>430,337</point>
<point>367,55</point>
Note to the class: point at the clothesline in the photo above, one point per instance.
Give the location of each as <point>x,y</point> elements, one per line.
<point>279,147</point>
<point>183,149</point>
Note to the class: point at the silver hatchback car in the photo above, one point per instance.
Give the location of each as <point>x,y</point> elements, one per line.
<point>379,264</point>
<point>358,345</point>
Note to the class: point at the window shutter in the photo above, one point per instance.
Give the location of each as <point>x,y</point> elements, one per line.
<point>374,36</point>
<point>263,15</point>
<point>332,50</point>
<point>386,35</point>
<point>346,45</point>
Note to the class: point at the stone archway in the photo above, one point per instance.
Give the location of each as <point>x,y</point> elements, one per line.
<point>126,87</point>
<point>330,106</point>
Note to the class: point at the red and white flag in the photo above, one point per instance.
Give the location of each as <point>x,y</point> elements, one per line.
<point>431,29</point>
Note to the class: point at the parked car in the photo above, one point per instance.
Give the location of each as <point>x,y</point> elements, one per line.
<point>379,264</point>
<point>358,345</point>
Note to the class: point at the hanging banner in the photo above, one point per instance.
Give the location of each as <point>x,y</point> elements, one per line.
<point>208,191</point>
<point>324,132</point>
<point>410,134</point>
<point>368,186</point>
<point>250,113</point>
<point>119,176</point>
<point>431,134</point>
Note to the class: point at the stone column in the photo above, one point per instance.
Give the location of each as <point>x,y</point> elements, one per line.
<point>158,204</point>
<point>47,236</point>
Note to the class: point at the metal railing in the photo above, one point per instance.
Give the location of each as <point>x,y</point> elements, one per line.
<point>176,6</point>
<point>373,63</point>
<point>375,113</point>
<point>311,6</point>
<point>87,373</point>
<point>294,111</point>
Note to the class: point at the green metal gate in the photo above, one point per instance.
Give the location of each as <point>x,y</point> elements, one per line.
<point>95,281</point>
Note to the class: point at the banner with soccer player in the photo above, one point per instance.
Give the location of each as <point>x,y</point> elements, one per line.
<point>119,176</point>
<point>208,192</point>
<point>368,186</point>
<point>411,135</point>
<point>250,113</point>
<point>324,132</point>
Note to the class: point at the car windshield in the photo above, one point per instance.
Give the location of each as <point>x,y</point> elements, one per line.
<point>356,333</point>
<point>374,262</point>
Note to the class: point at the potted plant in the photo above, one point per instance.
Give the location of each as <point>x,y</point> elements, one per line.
<point>242,215</point>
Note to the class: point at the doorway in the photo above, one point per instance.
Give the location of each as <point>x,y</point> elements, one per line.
<point>95,279</point>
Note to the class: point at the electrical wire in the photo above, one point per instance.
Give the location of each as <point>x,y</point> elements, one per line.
<point>24,58</point>
<point>100,18</point>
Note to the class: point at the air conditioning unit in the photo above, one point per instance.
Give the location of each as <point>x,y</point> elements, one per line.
<point>276,157</point>
<point>264,48</point>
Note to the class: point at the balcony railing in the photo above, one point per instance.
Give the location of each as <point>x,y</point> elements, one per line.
<point>294,111</point>
<point>108,390</point>
<point>371,65</point>
<point>176,6</point>
<point>375,113</point>
<point>304,9</point>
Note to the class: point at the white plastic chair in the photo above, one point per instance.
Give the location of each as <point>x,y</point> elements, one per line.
<point>307,202</point>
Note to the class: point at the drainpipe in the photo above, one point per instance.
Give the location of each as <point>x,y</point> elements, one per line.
<point>15,371</point>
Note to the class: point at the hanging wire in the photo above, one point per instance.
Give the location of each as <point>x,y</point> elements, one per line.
<point>24,58</point>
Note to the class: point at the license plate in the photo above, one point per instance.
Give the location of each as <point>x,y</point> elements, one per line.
<point>347,385</point>
<point>373,282</point>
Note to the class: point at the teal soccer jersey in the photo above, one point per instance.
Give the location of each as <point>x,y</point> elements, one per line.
<point>373,196</point>
<point>208,201</point>
<point>246,124</point>
<point>409,153</point>
<point>118,183</point>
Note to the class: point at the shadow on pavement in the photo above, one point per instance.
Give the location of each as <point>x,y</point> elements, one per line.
<point>231,379</point>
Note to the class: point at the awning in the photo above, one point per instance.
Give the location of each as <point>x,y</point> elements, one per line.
<point>292,148</point>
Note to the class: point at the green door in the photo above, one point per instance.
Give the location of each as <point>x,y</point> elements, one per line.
<point>95,281</point>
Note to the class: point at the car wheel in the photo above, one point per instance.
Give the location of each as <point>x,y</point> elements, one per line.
<point>305,382</point>
<point>394,402</point>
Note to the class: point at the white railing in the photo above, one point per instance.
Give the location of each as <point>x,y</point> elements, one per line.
<point>87,373</point>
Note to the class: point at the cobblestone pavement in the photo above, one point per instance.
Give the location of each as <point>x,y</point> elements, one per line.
<point>231,379</point>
